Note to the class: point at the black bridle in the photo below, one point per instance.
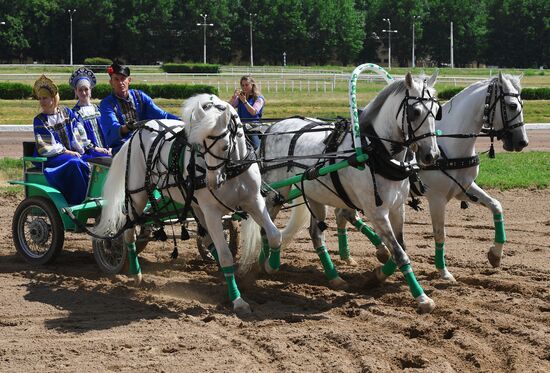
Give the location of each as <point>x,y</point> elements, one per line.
<point>490,110</point>
<point>409,115</point>
<point>231,130</point>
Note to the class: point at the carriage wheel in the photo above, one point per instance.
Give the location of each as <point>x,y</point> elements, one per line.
<point>37,230</point>
<point>110,254</point>
<point>231,229</point>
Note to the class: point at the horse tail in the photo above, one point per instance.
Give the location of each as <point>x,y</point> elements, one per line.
<point>250,245</point>
<point>113,217</point>
<point>299,217</point>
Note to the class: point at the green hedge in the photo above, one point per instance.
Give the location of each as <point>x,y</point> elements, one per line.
<point>196,68</point>
<point>17,91</point>
<point>97,61</point>
<point>526,93</point>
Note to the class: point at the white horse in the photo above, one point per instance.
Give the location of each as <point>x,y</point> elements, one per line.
<point>402,115</point>
<point>492,108</point>
<point>213,126</point>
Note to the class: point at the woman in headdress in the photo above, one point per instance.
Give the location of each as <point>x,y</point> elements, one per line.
<point>58,138</point>
<point>83,81</point>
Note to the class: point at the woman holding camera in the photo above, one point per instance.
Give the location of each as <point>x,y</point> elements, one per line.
<point>249,103</point>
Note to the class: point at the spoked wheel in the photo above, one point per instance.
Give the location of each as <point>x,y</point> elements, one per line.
<point>37,230</point>
<point>231,229</point>
<point>111,254</point>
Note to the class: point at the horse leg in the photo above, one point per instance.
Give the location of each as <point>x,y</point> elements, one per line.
<point>134,267</point>
<point>437,214</point>
<point>495,252</point>
<point>400,259</point>
<point>319,211</point>
<point>213,221</point>
<point>270,254</point>
<point>343,248</point>
<point>382,252</point>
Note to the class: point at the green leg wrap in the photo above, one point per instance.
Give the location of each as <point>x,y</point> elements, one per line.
<point>214,252</point>
<point>500,235</point>
<point>275,258</point>
<point>414,286</point>
<point>343,248</point>
<point>389,267</point>
<point>229,274</point>
<point>440,255</point>
<point>328,266</point>
<point>367,231</point>
<point>133,259</point>
<point>264,251</point>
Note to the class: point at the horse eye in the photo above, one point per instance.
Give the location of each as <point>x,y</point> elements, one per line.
<point>225,148</point>
<point>513,106</point>
<point>416,113</point>
<point>207,106</point>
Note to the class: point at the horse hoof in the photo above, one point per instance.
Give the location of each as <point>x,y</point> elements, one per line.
<point>380,276</point>
<point>350,261</point>
<point>494,259</point>
<point>425,304</point>
<point>338,283</point>
<point>382,254</point>
<point>240,307</point>
<point>137,279</point>
<point>270,270</point>
<point>446,275</point>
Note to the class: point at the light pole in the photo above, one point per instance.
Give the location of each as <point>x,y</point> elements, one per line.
<point>389,31</point>
<point>251,45</point>
<point>413,61</point>
<point>71,12</point>
<point>204,25</point>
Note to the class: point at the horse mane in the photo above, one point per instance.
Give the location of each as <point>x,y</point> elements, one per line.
<point>514,80</point>
<point>371,111</point>
<point>198,130</point>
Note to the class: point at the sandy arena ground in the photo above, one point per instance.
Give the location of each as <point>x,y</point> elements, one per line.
<point>69,317</point>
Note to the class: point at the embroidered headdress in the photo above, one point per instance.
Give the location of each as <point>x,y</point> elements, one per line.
<point>45,85</point>
<point>82,74</point>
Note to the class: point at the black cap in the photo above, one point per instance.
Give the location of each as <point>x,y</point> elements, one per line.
<point>118,69</point>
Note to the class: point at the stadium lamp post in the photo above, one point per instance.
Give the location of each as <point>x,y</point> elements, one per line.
<point>204,25</point>
<point>71,12</point>
<point>389,31</point>
<point>251,44</point>
<point>413,60</point>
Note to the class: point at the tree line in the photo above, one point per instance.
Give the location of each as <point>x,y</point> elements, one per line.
<point>310,32</point>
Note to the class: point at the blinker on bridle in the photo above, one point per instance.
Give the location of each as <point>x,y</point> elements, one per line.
<point>410,115</point>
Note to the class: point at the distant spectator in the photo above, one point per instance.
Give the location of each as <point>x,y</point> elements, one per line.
<point>250,105</point>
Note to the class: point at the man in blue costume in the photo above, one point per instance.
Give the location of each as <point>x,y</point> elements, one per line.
<point>124,107</point>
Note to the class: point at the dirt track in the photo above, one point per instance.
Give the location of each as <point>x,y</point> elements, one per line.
<point>69,317</point>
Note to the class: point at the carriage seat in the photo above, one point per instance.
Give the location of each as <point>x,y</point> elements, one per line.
<point>29,151</point>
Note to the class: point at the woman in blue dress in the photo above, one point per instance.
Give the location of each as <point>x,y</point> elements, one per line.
<point>250,105</point>
<point>58,139</point>
<point>83,81</point>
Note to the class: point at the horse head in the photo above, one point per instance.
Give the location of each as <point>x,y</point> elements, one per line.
<point>508,122</point>
<point>413,123</point>
<point>215,126</point>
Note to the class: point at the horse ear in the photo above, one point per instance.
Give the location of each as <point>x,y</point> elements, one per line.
<point>433,78</point>
<point>409,81</point>
<point>500,77</point>
<point>198,113</point>
<point>520,76</point>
